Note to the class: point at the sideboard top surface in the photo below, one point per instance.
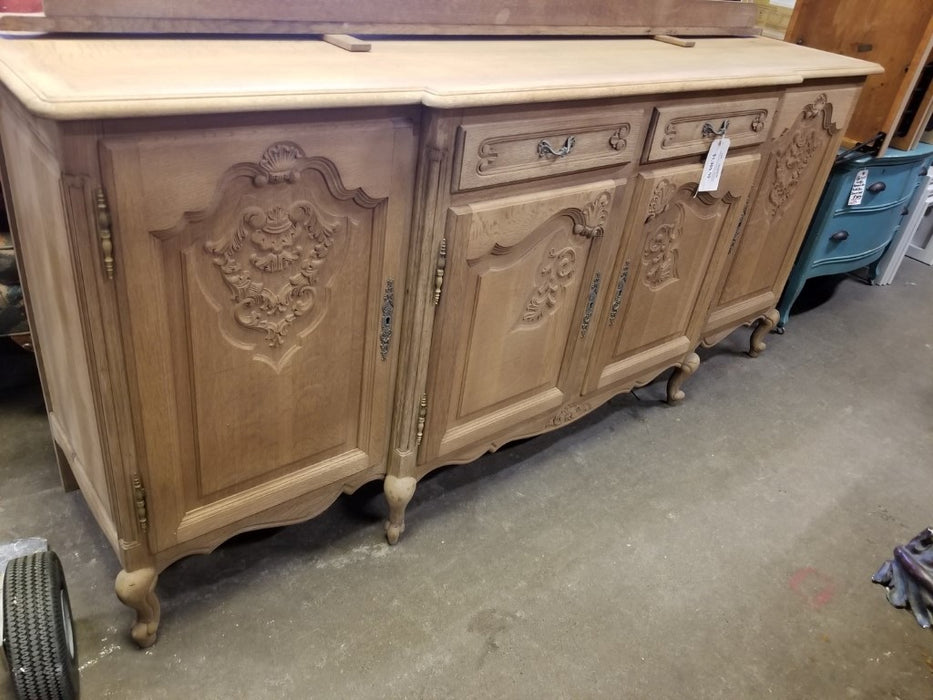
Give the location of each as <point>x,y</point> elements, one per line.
<point>66,78</point>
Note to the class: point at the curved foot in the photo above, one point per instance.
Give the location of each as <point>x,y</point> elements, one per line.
<point>764,326</point>
<point>687,367</point>
<point>399,491</point>
<point>136,589</point>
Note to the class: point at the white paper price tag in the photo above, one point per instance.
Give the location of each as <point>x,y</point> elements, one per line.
<point>712,169</point>
<point>858,188</point>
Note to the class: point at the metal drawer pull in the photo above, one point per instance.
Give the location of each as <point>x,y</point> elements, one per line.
<point>839,236</point>
<point>546,149</point>
<point>877,187</point>
<point>709,131</point>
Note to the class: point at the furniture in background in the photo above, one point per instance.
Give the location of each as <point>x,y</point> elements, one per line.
<point>921,243</point>
<point>898,103</point>
<point>913,236</point>
<point>859,214</point>
<point>263,273</point>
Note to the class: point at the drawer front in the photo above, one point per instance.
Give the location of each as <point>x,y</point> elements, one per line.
<point>851,236</point>
<point>686,129</point>
<point>882,187</point>
<point>497,152</point>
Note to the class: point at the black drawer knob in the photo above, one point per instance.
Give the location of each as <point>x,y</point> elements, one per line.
<point>839,236</point>
<point>905,211</point>
<point>877,187</point>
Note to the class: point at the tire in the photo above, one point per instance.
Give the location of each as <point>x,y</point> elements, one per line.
<point>38,634</point>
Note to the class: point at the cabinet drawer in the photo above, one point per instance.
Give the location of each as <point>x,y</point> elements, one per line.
<point>497,152</point>
<point>882,187</point>
<point>679,130</point>
<point>851,236</point>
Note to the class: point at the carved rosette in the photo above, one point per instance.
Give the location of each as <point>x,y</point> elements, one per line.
<point>670,135</point>
<point>795,150</point>
<point>555,273</point>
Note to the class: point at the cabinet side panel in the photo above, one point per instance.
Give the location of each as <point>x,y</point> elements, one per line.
<point>45,257</point>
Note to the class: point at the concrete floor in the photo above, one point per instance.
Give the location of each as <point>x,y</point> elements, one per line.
<point>719,549</point>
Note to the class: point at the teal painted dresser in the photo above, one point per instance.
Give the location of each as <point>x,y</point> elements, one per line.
<point>858,215</point>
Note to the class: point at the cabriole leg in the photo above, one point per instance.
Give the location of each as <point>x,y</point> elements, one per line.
<point>687,367</point>
<point>136,589</point>
<point>763,327</point>
<point>399,491</point>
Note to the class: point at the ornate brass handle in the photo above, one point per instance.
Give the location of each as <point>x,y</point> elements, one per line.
<point>709,131</point>
<point>546,149</point>
<point>877,187</point>
<point>839,236</point>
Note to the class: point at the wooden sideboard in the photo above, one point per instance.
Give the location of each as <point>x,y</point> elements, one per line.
<point>262,273</point>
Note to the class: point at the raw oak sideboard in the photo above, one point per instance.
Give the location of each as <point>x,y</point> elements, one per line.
<point>264,272</point>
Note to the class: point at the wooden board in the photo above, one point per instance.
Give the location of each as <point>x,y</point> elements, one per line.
<point>897,34</point>
<point>541,17</point>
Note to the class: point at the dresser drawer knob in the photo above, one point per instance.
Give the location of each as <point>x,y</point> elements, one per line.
<point>839,236</point>
<point>546,149</point>
<point>877,187</point>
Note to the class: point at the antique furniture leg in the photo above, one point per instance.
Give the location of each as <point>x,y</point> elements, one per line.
<point>399,491</point>
<point>764,326</point>
<point>687,367</point>
<point>136,589</point>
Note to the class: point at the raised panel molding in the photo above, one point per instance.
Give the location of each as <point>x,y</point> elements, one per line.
<point>274,239</point>
<point>794,152</point>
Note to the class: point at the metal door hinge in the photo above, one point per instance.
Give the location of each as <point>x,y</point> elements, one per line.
<point>139,501</point>
<point>104,234</point>
<point>439,271</point>
<point>422,417</point>
<point>388,310</point>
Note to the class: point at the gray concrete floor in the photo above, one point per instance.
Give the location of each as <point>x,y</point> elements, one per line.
<point>719,549</point>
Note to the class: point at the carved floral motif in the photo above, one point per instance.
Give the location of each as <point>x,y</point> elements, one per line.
<point>795,152</point>
<point>281,239</point>
<point>569,413</point>
<point>555,274</point>
<point>660,256</point>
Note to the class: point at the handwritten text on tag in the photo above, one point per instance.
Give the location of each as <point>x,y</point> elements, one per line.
<point>712,169</point>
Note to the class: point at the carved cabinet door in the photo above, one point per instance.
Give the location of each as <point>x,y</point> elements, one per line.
<point>660,287</point>
<point>795,166</point>
<point>520,287</point>
<point>258,271</point>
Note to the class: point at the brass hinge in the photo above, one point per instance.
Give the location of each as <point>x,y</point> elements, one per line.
<point>104,234</point>
<point>139,501</point>
<point>388,310</point>
<point>439,271</point>
<point>422,417</point>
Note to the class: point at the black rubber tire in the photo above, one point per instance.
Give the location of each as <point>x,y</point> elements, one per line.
<point>38,634</point>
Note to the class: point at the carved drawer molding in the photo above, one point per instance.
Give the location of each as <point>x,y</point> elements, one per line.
<point>679,129</point>
<point>493,153</point>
